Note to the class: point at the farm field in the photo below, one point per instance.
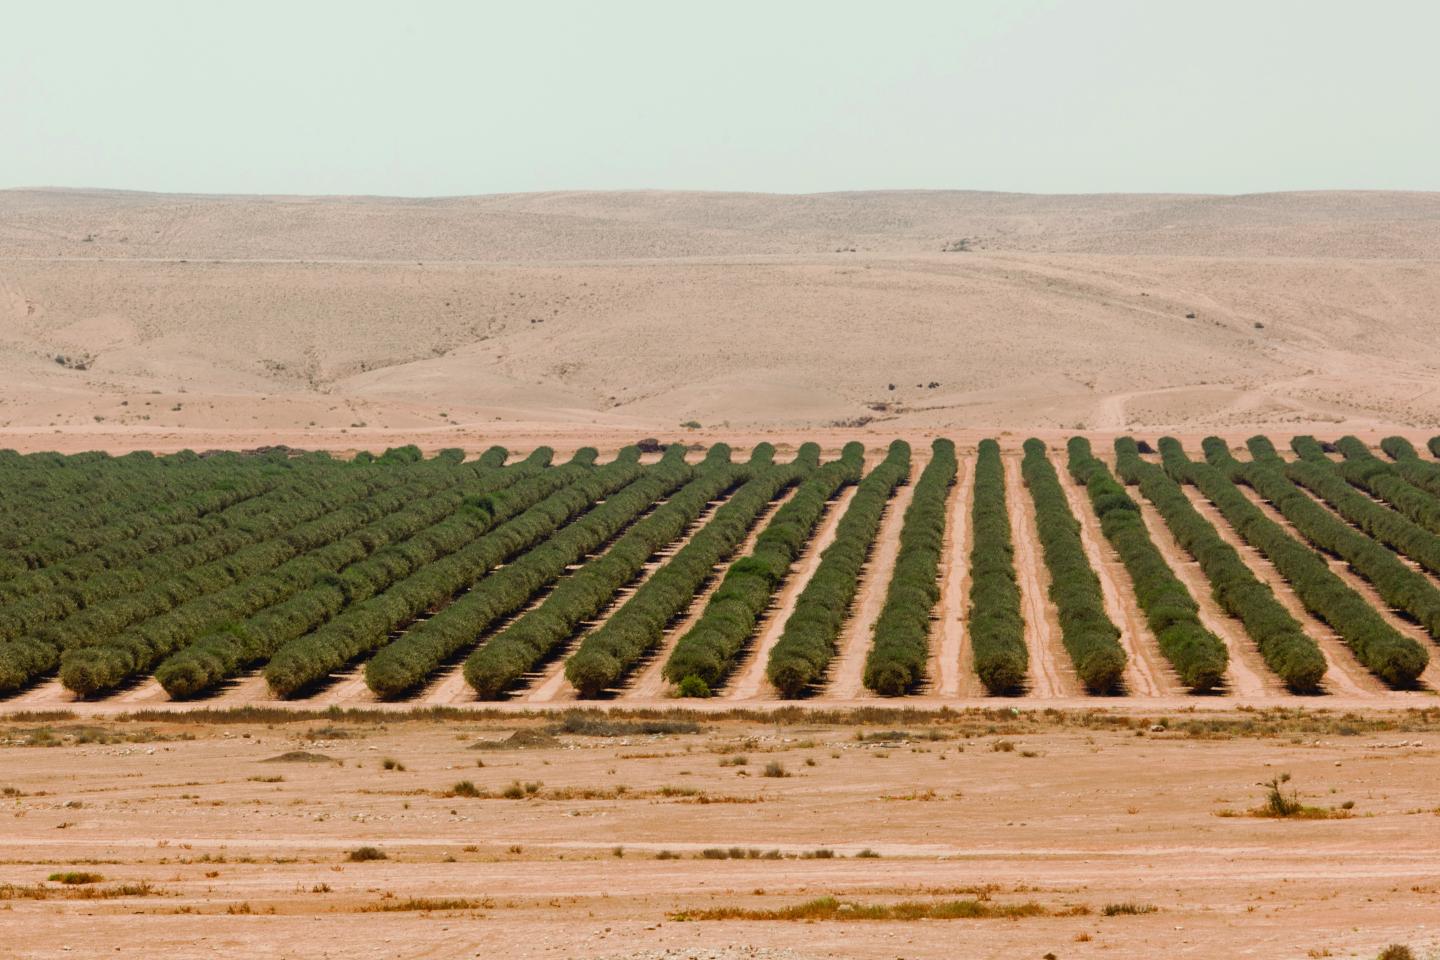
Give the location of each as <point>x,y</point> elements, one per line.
<point>1074,573</point>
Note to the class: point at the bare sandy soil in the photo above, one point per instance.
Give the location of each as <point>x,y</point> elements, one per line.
<point>1086,811</point>
<point>362,322</point>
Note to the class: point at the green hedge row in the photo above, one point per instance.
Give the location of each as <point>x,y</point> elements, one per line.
<point>367,626</point>
<point>406,662</point>
<point>45,521</point>
<point>1288,650</point>
<point>1198,656</point>
<point>306,525</point>
<point>705,656</point>
<point>233,491</point>
<point>896,662</point>
<point>91,669</point>
<point>65,557</point>
<point>1382,649</point>
<point>807,644</point>
<point>1378,478</point>
<point>997,627</point>
<point>100,604</point>
<point>521,647</point>
<point>1399,585</point>
<point>1419,473</point>
<point>1398,448</point>
<point>224,652</point>
<point>638,626</point>
<point>1090,636</point>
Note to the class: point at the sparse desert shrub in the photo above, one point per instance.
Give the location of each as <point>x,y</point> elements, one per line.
<point>1396,951</point>
<point>365,854</point>
<point>76,877</point>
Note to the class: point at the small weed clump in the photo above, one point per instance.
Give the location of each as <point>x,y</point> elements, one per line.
<point>465,788</point>
<point>775,769</point>
<point>75,877</point>
<point>390,763</point>
<point>1281,804</point>
<point>364,854</point>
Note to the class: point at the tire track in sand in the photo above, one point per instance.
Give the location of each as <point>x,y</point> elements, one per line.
<point>845,680</point>
<point>1343,676</point>
<point>951,671</point>
<point>1051,673</point>
<point>1147,674</point>
<point>748,681</point>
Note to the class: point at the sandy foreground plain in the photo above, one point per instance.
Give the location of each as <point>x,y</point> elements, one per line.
<point>1065,814</point>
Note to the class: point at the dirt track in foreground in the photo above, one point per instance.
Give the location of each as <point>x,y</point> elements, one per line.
<point>244,854</point>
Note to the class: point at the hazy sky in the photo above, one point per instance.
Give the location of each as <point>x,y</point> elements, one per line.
<point>431,97</point>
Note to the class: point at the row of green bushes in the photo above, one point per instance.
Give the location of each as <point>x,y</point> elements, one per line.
<point>1382,649</point>
<point>1377,477</point>
<point>997,627</point>
<point>179,575</point>
<point>1287,649</point>
<point>896,663</point>
<point>67,554</point>
<point>1399,585</point>
<point>608,653</point>
<point>1198,656</point>
<point>1402,525</point>
<point>502,661</point>
<point>49,515</point>
<point>807,643</point>
<point>396,516</point>
<point>406,662</point>
<point>74,538</point>
<point>224,652</point>
<point>708,653</point>
<point>368,626</point>
<point>1090,636</point>
<point>306,525</point>
<point>106,602</point>
<point>1419,473</point>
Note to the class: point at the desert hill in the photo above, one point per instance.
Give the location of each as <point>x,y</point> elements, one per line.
<point>131,319</point>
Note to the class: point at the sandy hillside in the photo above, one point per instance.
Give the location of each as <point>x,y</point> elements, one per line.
<point>169,321</point>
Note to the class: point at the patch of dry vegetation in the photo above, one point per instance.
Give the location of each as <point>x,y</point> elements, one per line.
<point>831,908</point>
